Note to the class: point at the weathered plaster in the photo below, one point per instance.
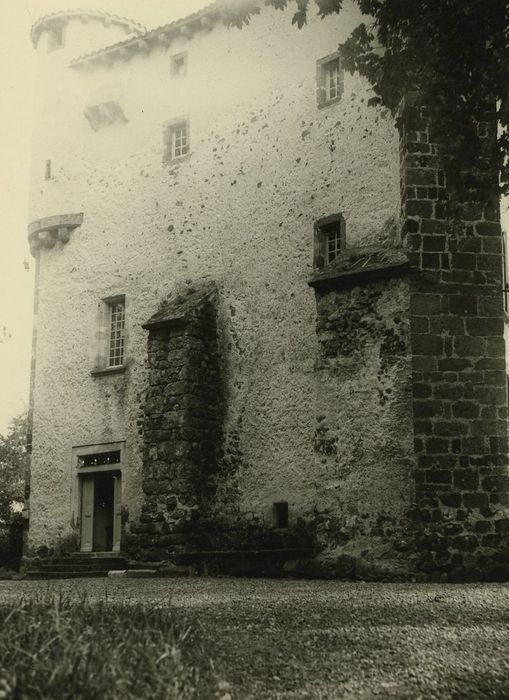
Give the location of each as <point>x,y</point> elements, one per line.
<point>265,164</point>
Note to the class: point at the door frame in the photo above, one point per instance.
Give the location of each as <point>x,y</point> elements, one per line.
<point>80,473</point>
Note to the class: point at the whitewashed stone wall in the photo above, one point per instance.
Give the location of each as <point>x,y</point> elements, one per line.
<point>265,163</point>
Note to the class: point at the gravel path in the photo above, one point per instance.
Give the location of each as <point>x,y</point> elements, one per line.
<point>274,639</point>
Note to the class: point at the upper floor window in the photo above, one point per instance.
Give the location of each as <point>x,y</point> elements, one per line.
<point>329,79</point>
<point>55,37</point>
<point>116,339</point>
<point>178,66</point>
<point>329,239</point>
<point>177,139</point>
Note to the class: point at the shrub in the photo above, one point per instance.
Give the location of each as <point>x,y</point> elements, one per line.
<point>11,543</point>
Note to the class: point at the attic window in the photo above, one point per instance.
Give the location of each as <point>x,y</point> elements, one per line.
<point>329,80</point>
<point>329,239</point>
<point>104,114</point>
<point>178,65</point>
<point>55,37</point>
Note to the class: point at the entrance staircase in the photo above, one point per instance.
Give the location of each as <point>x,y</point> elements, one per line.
<point>78,565</point>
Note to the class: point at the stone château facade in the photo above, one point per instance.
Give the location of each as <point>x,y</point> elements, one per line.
<point>254,328</point>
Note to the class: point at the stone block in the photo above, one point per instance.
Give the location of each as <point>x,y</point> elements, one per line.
<point>485,326</point>
<point>466,479</point>
<point>463,305</point>
<point>141,573</point>
<point>486,228</point>
<point>475,500</point>
<point>427,344</point>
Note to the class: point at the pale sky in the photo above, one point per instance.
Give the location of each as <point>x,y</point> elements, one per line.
<point>16,283</point>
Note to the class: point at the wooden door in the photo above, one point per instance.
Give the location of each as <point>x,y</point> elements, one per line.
<point>117,512</point>
<point>87,513</point>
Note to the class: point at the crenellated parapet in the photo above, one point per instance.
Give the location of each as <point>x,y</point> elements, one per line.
<point>45,233</point>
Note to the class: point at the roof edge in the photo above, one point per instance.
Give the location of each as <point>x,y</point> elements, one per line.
<point>204,18</point>
<point>64,15</point>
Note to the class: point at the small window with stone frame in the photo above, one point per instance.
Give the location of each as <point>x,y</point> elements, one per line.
<point>329,239</point>
<point>177,140</point>
<point>55,37</point>
<point>329,80</point>
<point>178,65</point>
<point>110,335</point>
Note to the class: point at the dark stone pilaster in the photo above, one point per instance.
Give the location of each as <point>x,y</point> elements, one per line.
<point>457,341</point>
<point>182,426</point>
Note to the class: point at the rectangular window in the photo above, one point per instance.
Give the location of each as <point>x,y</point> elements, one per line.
<point>116,344</point>
<point>329,239</point>
<point>333,243</point>
<point>330,79</point>
<point>180,141</point>
<point>178,65</point>
<point>176,139</point>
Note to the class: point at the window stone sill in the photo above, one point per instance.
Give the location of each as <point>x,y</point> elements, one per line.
<point>108,370</point>
<point>328,103</point>
<point>360,265</point>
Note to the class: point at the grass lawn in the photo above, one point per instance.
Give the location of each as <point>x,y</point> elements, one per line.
<point>247,638</point>
<point>60,646</point>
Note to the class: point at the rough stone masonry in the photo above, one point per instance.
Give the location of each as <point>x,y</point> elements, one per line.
<point>458,358</point>
<point>337,416</point>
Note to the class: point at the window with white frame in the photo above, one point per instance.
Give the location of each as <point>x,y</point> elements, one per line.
<point>177,144</point>
<point>180,140</point>
<point>330,79</point>
<point>329,239</point>
<point>116,339</point>
<point>178,66</point>
<point>110,336</point>
<point>334,245</point>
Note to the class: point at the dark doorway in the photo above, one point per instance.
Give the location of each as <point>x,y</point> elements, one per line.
<point>103,512</point>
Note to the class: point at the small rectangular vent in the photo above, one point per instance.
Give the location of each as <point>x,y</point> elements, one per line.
<point>280,514</point>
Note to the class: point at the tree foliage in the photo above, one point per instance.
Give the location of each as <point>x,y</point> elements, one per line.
<point>13,464</point>
<point>454,52</point>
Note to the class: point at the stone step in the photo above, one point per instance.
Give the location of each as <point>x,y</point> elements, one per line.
<point>106,561</point>
<point>90,566</point>
<point>87,561</point>
<point>97,555</point>
<point>40,575</point>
